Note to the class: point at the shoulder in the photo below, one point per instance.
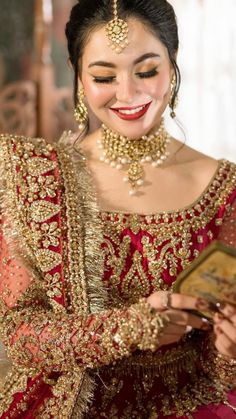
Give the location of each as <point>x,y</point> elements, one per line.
<point>24,147</point>
<point>195,165</point>
<point>205,171</point>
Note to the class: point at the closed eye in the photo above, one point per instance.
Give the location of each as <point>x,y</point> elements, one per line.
<point>141,75</point>
<point>104,79</point>
<point>147,74</point>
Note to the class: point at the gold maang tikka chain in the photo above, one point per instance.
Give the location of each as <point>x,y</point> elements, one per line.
<point>117,31</point>
<point>120,151</point>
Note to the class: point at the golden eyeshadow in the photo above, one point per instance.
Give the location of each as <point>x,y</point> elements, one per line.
<point>146,68</point>
<point>103,74</point>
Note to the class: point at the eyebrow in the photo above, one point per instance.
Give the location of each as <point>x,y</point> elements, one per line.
<point>137,61</point>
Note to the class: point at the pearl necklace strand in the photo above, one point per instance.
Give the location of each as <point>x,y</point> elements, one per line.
<point>119,151</point>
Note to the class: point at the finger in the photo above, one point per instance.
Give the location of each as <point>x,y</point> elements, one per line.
<point>175,329</point>
<point>227,328</point>
<point>168,339</point>
<point>183,302</point>
<point>224,344</point>
<point>228,311</point>
<point>162,300</point>
<point>184,318</point>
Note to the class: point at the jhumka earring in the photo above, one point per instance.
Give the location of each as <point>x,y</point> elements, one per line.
<point>81,111</point>
<point>173,99</point>
<point>117,31</point>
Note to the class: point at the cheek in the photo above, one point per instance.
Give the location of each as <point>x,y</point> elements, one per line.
<point>161,87</point>
<point>97,95</point>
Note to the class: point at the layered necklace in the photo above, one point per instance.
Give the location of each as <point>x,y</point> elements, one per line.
<point>119,152</point>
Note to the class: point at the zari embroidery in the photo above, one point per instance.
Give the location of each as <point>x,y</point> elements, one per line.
<point>98,339</point>
<point>165,242</point>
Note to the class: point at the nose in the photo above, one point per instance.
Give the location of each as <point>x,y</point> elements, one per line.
<point>126,90</point>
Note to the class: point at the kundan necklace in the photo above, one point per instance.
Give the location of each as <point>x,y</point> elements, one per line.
<point>120,151</point>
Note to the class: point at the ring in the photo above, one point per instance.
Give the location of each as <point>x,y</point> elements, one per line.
<point>166,300</point>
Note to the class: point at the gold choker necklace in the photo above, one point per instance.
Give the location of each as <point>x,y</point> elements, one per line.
<point>119,151</point>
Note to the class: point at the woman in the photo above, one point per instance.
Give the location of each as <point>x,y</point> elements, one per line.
<point>88,319</point>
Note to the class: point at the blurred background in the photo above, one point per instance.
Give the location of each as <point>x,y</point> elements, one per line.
<point>36,82</point>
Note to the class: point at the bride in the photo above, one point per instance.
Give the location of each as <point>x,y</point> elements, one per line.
<point>95,230</point>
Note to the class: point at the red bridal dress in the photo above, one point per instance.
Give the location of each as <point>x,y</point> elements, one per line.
<point>75,334</point>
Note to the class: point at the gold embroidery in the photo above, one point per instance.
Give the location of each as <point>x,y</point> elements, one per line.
<point>47,234</point>
<point>41,211</point>
<point>47,259</point>
<point>39,166</point>
<point>90,281</point>
<point>165,242</point>
<point>23,196</point>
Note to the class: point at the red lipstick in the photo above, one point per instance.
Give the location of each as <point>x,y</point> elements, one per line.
<point>132,116</point>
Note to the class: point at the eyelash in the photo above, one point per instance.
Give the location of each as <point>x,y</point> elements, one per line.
<point>146,75</point>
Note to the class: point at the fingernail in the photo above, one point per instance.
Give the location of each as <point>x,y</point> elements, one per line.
<point>205,324</point>
<point>219,317</point>
<point>214,307</point>
<point>188,329</point>
<point>202,304</point>
<point>220,305</point>
<point>218,330</point>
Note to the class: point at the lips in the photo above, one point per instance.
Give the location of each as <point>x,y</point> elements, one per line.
<point>131,114</point>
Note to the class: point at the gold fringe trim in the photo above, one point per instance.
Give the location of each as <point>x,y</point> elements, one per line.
<point>85,270</point>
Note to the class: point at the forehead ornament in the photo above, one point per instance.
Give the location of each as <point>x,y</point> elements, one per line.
<point>117,31</point>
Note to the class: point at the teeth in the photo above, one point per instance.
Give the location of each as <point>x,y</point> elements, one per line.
<point>132,111</point>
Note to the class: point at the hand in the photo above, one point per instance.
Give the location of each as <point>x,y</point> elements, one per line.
<point>181,322</point>
<point>225,330</point>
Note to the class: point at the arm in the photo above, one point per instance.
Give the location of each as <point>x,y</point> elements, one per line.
<point>219,355</point>
<point>228,229</point>
<point>37,337</point>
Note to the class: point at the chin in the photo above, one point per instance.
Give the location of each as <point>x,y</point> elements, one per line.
<point>133,133</point>
<point>131,130</point>
<point>134,129</point>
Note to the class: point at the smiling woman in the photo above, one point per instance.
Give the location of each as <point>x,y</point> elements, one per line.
<point>132,86</point>
<point>95,231</point>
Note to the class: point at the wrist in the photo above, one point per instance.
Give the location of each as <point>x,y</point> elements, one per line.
<point>153,325</point>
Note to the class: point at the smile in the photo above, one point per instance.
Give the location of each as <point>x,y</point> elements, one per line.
<point>131,113</point>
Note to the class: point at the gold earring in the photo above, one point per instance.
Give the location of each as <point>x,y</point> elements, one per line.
<point>173,98</point>
<point>81,111</point>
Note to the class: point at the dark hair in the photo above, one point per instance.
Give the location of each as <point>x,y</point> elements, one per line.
<point>85,16</point>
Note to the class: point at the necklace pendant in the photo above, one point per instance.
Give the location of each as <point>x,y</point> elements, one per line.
<point>135,174</point>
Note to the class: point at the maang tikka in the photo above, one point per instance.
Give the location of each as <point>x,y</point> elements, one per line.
<point>81,111</point>
<point>117,31</point>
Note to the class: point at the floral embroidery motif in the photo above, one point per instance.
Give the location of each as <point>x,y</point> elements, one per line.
<point>47,259</point>
<point>41,211</point>
<point>39,166</point>
<point>101,338</point>
<point>145,253</point>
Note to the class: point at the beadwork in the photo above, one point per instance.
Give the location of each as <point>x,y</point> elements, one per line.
<point>117,32</point>
<point>119,151</point>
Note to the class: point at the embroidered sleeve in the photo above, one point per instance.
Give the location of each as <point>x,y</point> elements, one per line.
<point>35,336</point>
<point>220,369</point>
<point>228,229</point>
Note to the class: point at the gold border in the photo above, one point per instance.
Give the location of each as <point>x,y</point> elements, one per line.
<point>209,250</point>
